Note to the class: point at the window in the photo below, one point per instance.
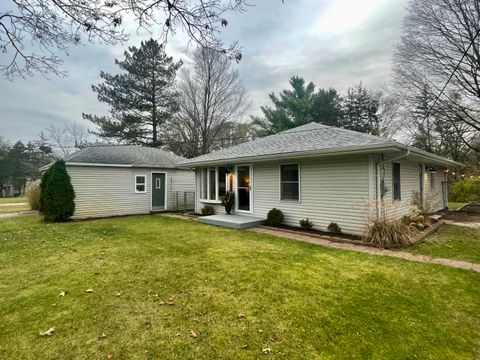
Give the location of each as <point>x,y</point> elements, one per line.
<point>140,183</point>
<point>212,175</point>
<point>213,183</point>
<point>289,182</point>
<point>396,181</point>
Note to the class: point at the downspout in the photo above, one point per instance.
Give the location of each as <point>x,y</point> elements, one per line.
<point>381,176</point>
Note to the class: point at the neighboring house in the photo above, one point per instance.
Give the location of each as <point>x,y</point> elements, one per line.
<point>112,180</point>
<point>323,173</point>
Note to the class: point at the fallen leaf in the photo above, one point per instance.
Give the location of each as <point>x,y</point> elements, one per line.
<point>260,331</point>
<point>178,334</point>
<point>89,291</point>
<point>244,346</point>
<point>267,350</point>
<point>241,316</point>
<point>109,355</point>
<point>171,301</point>
<point>273,338</point>
<point>119,293</point>
<point>103,336</point>
<point>49,332</point>
<point>193,334</point>
<point>62,293</point>
<point>161,302</point>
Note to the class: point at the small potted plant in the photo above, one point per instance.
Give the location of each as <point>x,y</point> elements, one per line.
<point>228,200</point>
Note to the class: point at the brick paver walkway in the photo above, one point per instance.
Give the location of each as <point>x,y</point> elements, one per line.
<point>318,240</point>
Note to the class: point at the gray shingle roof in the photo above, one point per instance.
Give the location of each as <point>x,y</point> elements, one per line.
<point>309,137</point>
<point>125,155</point>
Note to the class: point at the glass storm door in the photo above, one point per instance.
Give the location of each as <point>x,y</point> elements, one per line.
<point>243,188</point>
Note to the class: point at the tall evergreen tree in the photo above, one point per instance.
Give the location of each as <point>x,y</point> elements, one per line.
<point>360,109</point>
<point>141,99</point>
<point>299,106</point>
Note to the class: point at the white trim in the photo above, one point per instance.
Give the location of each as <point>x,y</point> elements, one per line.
<point>166,189</point>
<point>299,200</point>
<point>399,180</point>
<point>135,183</point>
<point>250,193</point>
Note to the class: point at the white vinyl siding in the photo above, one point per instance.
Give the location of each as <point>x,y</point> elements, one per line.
<point>410,183</point>
<point>332,189</point>
<point>110,191</point>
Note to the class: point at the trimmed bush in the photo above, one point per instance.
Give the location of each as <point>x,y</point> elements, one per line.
<point>306,224</point>
<point>465,191</point>
<point>43,184</point>
<point>33,195</point>
<point>275,217</point>
<point>58,194</point>
<point>334,228</point>
<point>228,200</point>
<point>208,210</point>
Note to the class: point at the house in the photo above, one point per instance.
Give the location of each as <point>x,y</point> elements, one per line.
<point>323,173</point>
<point>111,180</point>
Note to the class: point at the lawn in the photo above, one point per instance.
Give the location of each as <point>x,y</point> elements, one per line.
<point>450,241</point>
<point>13,208</point>
<point>9,200</point>
<point>157,279</point>
<point>455,205</point>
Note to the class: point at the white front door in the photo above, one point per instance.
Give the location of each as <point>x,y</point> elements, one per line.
<point>243,190</point>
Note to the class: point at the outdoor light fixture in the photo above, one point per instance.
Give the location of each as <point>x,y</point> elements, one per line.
<point>431,169</point>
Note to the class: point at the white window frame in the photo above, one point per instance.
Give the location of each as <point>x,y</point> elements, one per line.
<point>280,183</point>
<point>144,183</point>
<point>205,197</point>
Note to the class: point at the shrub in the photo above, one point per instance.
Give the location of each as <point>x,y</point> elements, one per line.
<point>390,233</point>
<point>43,184</point>
<point>58,194</point>
<point>208,210</point>
<point>228,200</point>
<point>416,218</point>
<point>465,191</point>
<point>334,228</point>
<point>33,195</point>
<point>275,217</point>
<point>306,224</point>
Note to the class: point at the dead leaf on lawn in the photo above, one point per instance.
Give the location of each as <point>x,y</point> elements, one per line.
<point>89,291</point>
<point>103,336</point>
<point>49,332</point>
<point>244,346</point>
<point>109,355</point>
<point>241,316</point>
<point>267,350</point>
<point>171,301</point>
<point>193,334</point>
<point>62,293</point>
<point>119,294</point>
<point>273,338</point>
<point>161,302</point>
<point>178,334</point>
<point>260,331</point>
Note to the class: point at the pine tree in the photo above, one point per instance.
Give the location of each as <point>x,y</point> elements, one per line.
<point>360,109</point>
<point>58,194</point>
<point>141,99</point>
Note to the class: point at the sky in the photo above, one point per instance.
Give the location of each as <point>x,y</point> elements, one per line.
<point>333,43</point>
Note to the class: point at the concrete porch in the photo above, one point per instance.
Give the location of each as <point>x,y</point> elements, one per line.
<point>234,221</point>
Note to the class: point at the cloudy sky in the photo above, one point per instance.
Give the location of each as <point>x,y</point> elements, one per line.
<point>334,43</point>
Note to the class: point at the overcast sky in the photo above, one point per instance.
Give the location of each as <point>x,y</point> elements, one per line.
<point>334,43</point>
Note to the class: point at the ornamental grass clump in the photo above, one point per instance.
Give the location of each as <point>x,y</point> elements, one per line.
<point>385,227</point>
<point>228,200</point>
<point>207,210</point>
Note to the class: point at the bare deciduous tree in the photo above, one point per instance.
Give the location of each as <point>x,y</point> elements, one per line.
<point>438,33</point>
<point>67,139</point>
<point>33,32</point>
<point>212,96</point>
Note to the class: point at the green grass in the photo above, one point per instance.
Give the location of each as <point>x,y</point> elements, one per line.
<point>300,300</point>
<point>452,242</point>
<point>455,205</point>
<point>9,200</point>
<point>13,208</point>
